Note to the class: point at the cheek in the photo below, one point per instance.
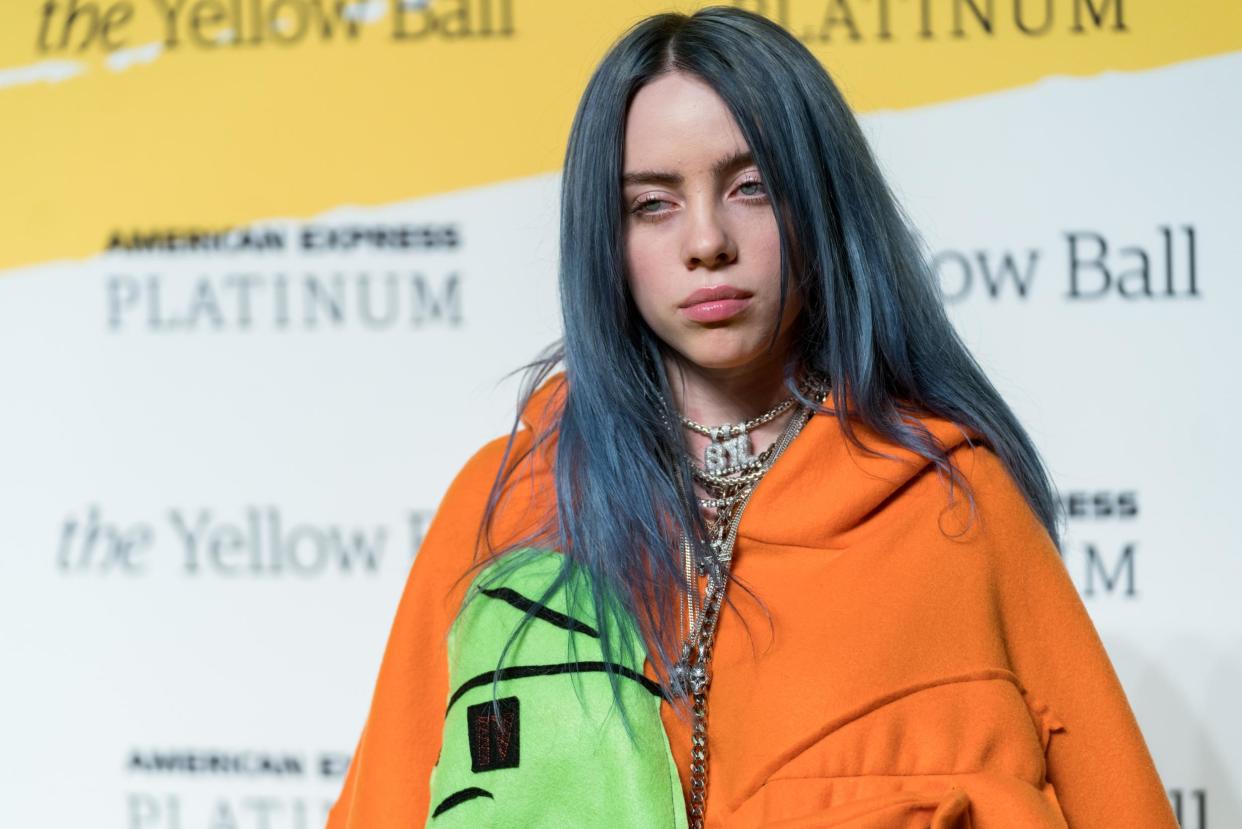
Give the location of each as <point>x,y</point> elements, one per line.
<point>760,248</point>
<point>647,284</point>
<point>766,246</point>
<point>766,243</point>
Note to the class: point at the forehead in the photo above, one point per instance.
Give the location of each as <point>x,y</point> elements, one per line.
<point>677,121</point>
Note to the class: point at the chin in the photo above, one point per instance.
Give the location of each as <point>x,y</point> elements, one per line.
<point>723,356</point>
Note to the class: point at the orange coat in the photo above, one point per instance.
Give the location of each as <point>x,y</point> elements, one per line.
<point>909,670</point>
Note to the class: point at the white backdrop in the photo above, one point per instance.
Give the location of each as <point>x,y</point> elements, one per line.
<point>215,466</point>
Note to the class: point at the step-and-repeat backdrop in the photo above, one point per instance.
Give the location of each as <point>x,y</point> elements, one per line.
<point>264,265</point>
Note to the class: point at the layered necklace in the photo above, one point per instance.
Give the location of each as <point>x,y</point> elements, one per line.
<point>729,474</point>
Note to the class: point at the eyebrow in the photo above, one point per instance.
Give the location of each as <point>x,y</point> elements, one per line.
<point>724,165</point>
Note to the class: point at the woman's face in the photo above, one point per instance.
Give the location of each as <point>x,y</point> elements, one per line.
<point>701,244</point>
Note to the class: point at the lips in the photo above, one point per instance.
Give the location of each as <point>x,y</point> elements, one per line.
<point>715,303</point>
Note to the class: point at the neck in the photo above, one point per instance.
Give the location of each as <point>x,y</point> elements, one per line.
<point>716,396</point>
<point>713,397</point>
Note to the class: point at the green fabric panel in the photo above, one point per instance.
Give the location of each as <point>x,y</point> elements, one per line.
<point>576,765</point>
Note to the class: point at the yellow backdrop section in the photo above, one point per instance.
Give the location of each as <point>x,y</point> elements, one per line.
<point>143,114</point>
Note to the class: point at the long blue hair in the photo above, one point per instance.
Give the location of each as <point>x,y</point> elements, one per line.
<point>873,321</point>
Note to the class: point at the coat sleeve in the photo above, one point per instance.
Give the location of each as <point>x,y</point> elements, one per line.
<point>1097,760</point>
<point>387,781</point>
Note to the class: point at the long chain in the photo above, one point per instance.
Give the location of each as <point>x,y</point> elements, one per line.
<point>732,493</point>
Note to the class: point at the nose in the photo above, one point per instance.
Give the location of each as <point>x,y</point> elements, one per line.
<point>707,243</point>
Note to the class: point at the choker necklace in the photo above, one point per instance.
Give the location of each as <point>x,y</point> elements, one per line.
<point>730,489</point>
<point>730,449</point>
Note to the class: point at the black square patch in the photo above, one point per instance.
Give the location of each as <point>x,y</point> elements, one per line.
<point>493,740</point>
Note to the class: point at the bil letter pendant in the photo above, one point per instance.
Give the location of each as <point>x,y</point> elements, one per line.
<point>727,454</point>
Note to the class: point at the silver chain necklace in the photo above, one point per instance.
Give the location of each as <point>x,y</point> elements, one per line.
<point>731,493</point>
<point>731,449</point>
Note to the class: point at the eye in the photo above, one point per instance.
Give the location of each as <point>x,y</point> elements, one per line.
<point>648,208</point>
<point>752,188</point>
<point>644,204</point>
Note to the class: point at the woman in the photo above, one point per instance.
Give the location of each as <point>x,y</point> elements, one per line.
<point>771,550</point>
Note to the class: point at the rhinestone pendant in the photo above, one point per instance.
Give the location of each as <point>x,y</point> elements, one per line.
<point>688,679</point>
<point>679,682</point>
<point>699,679</point>
<point>722,456</point>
